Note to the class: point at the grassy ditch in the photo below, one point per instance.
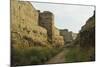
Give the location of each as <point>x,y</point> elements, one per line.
<point>32,55</point>
<point>77,54</point>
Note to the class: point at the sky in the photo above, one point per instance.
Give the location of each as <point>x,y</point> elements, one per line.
<point>67,16</point>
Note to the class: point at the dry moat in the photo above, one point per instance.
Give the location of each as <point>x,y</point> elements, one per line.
<point>35,39</point>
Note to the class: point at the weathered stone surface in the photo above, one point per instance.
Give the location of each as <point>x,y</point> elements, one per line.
<point>87,33</point>
<point>86,36</point>
<point>86,39</point>
<point>24,24</point>
<point>46,20</point>
<point>58,41</point>
<point>30,27</point>
<point>67,35</point>
<point>56,32</point>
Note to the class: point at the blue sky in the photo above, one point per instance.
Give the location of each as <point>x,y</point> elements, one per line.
<point>71,17</point>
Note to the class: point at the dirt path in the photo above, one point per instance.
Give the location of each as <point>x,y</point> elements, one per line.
<point>59,58</point>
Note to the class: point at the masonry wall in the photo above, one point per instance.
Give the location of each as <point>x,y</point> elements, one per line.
<point>46,20</point>
<point>87,33</point>
<point>30,27</point>
<point>67,35</point>
<point>24,25</point>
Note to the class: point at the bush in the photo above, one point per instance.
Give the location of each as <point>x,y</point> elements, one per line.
<point>32,55</point>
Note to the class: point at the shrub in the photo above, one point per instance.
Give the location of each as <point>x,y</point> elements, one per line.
<point>32,55</point>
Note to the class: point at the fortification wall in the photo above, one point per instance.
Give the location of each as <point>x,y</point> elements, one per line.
<point>46,20</point>
<point>30,27</point>
<point>67,35</point>
<point>24,24</point>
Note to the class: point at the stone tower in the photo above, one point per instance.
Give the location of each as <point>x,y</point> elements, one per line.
<point>67,35</point>
<point>46,20</point>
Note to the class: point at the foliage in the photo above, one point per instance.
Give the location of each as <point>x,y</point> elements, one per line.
<point>32,55</point>
<point>77,54</point>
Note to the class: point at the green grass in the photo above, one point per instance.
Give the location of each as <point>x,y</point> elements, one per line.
<point>72,55</point>
<point>76,54</point>
<point>32,55</point>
